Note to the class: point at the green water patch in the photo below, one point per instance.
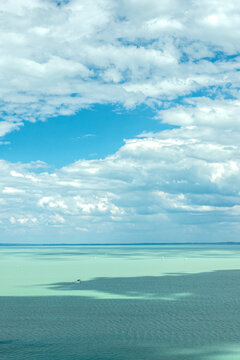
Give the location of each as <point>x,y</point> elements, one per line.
<point>25,271</point>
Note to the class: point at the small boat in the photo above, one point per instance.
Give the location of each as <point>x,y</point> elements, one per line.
<point>78,281</point>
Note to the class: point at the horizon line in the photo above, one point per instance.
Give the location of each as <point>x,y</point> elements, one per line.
<point>122,244</point>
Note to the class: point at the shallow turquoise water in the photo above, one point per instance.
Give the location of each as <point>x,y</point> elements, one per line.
<point>133,303</point>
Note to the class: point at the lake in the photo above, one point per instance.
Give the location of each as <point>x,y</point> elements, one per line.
<point>134,302</point>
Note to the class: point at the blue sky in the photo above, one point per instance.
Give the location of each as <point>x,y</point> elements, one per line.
<point>90,134</point>
<point>119,121</point>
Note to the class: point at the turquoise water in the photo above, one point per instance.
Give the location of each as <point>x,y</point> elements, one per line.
<point>176,302</point>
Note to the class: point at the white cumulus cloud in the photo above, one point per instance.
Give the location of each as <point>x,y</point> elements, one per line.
<point>56,59</point>
<point>179,57</point>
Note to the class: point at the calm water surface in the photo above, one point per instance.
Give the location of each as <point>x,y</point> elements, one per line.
<point>156,302</point>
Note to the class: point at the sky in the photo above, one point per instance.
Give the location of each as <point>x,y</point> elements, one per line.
<point>119,121</point>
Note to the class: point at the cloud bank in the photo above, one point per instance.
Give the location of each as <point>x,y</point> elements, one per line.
<point>177,179</point>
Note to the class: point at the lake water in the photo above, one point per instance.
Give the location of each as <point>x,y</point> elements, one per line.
<point>133,303</point>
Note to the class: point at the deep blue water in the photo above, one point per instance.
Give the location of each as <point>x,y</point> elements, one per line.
<point>204,325</point>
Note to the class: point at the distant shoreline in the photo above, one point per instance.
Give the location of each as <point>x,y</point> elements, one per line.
<point>120,244</point>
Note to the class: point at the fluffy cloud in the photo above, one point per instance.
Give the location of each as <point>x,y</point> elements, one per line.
<point>57,57</point>
<point>176,178</point>
<point>180,57</point>
<point>204,112</point>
